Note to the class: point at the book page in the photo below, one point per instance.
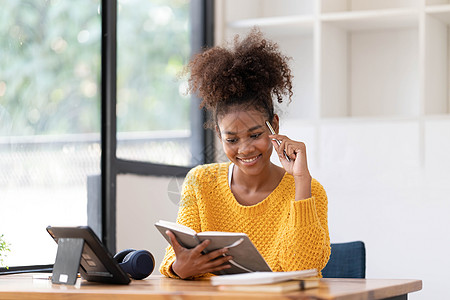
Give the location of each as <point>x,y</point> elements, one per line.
<point>175,226</point>
<point>185,238</point>
<point>219,233</point>
<point>246,258</point>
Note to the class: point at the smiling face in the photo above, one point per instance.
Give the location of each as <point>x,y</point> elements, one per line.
<point>245,139</point>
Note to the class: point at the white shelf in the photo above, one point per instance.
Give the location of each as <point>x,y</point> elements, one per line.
<point>366,5</point>
<point>436,2</point>
<point>368,20</point>
<point>233,10</point>
<point>290,25</point>
<point>357,58</point>
<point>441,12</point>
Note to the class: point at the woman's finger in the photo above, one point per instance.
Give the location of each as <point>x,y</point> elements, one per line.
<point>282,150</point>
<point>275,145</point>
<point>293,149</point>
<point>219,268</point>
<point>216,253</point>
<point>279,137</point>
<point>219,262</point>
<point>173,240</point>
<point>202,246</point>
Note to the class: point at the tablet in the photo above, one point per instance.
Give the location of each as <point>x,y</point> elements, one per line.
<point>95,261</point>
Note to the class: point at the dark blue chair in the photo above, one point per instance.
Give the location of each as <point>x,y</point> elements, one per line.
<point>347,260</point>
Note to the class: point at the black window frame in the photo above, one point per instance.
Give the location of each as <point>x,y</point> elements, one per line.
<point>202,36</point>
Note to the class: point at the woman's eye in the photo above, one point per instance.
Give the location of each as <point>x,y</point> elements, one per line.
<point>255,136</point>
<point>231,141</point>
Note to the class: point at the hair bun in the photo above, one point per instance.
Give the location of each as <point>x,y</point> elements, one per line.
<point>252,66</point>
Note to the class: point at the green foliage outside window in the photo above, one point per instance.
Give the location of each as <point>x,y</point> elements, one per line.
<point>50,56</point>
<point>4,247</point>
<point>153,46</point>
<point>50,64</point>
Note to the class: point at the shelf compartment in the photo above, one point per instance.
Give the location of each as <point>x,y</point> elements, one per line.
<point>304,101</point>
<point>362,5</point>
<point>366,20</point>
<point>369,73</point>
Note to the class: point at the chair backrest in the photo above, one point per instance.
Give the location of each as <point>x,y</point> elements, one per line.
<point>347,260</point>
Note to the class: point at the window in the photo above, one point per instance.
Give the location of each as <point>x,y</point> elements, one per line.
<point>58,90</point>
<point>152,109</point>
<point>49,120</point>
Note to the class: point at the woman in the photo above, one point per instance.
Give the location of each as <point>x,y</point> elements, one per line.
<point>282,209</point>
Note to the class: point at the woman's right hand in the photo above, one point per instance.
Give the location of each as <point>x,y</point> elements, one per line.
<point>192,262</point>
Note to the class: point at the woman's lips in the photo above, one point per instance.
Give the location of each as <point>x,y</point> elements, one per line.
<point>249,160</point>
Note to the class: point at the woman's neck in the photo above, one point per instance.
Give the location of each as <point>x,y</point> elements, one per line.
<point>267,180</point>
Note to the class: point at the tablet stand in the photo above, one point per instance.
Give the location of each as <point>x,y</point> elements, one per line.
<point>67,263</point>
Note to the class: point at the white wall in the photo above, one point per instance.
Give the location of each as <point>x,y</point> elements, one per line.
<point>142,201</point>
<point>388,184</point>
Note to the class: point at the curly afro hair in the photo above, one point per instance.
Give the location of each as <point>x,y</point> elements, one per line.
<point>253,72</point>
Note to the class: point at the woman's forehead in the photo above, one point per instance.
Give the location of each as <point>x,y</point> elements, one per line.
<point>235,122</point>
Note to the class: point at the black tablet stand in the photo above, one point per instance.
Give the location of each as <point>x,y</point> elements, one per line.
<point>68,258</point>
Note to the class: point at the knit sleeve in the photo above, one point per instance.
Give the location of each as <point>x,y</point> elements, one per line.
<point>188,215</point>
<point>305,237</point>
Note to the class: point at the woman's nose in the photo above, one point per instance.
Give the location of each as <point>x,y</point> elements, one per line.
<point>246,147</point>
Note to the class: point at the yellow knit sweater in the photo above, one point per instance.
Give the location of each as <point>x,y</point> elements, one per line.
<point>290,235</point>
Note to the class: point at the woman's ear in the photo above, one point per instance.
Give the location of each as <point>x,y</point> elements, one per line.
<point>276,123</point>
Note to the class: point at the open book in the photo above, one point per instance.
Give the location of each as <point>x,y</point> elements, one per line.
<point>246,258</point>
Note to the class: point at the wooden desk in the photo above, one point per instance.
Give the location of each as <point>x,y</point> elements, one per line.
<point>36,286</point>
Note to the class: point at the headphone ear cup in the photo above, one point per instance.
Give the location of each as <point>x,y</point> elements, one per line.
<point>138,264</point>
<point>119,257</point>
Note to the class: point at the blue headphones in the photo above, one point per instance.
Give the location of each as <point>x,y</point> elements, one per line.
<point>137,263</point>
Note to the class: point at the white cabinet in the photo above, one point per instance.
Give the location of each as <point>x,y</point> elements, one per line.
<point>354,59</point>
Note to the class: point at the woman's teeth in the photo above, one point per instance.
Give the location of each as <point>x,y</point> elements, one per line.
<point>248,160</point>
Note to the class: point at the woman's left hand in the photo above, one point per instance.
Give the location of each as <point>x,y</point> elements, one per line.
<point>297,166</point>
